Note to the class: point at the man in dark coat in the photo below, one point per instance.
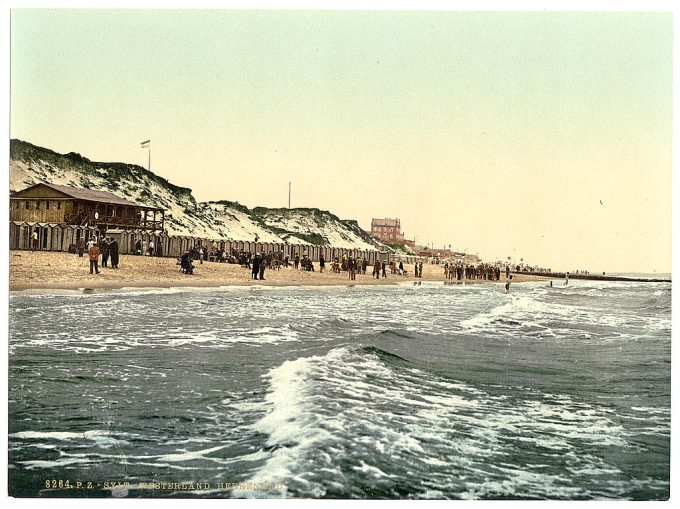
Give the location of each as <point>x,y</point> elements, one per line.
<point>256,266</point>
<point>113,253</point>
<point>263,265</point>
<point>104,248</point>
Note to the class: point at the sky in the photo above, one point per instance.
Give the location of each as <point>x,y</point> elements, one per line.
<point>545,136</point>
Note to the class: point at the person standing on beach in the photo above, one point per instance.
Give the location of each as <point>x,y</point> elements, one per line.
<point>81,247</point>
<point>34,240</point>
<point>113,253</point>
<point>151,247</point>
<point>93,252</point>
<point>263,265</point>
<point>351,268</point>
<point>507,285</point>
<point>322,263</point>
<point>104,248</point>
<point>376,269</point>
<point>566,279</point>
<point>384,271</point>
<point>256,266</point>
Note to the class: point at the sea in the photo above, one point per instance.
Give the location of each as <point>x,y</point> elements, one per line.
<point>433,391</point>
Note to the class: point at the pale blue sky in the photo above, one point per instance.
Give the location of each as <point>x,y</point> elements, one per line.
<point>494,132</point>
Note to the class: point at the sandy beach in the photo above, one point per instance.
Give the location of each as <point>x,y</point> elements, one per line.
<point>58,270</point>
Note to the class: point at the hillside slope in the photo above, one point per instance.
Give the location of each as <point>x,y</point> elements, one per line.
<point>184,215</point>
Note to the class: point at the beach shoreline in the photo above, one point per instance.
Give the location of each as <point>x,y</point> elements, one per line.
<point>53,270</point>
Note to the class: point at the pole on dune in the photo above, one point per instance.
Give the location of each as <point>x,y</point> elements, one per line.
<point>147,144</point>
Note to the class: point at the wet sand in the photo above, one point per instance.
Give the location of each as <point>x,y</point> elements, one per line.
<point>57,270</point>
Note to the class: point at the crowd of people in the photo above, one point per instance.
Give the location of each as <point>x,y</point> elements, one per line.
<point>105,247</point>
<point>257,263</point>
<point>148,248</point>
<point>484,271</point>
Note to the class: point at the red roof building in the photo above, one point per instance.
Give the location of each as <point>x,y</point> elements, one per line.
<point>387,230</point>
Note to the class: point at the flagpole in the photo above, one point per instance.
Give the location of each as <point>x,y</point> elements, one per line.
<point>147,144</point>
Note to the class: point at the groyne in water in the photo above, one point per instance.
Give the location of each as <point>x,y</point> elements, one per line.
<point>595,277</point>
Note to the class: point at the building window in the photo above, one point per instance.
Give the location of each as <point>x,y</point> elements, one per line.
<point>28,205</point>
<point>47,205</point>
<point>58,205</point>
<point>37,205</point>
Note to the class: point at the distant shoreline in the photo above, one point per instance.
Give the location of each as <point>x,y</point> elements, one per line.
<point>52,270</point>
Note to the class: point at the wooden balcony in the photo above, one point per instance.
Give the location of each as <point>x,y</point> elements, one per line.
<point>114,221</point>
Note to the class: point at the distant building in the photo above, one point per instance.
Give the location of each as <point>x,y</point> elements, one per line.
<point>435,253</point>
<point>54,204</point>
<point>387,230</point>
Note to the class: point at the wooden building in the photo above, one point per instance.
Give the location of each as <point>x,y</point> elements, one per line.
<point>54,204</point>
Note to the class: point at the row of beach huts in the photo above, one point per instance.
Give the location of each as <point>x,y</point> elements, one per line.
<point>65,237</point>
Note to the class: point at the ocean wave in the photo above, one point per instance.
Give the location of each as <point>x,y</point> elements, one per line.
<point>363,411</point>
<point>382,354</point>
<point>517,311</point>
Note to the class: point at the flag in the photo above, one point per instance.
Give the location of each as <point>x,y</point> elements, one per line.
<point>146,143</point>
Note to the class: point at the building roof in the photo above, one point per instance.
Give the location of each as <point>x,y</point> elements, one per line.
<point>91,195</point>
<point>384,222</point>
